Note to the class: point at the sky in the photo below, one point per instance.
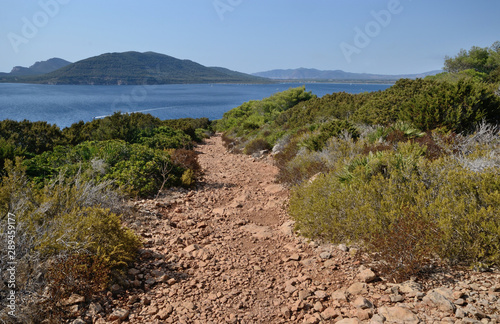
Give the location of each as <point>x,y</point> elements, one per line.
<point>363,36</point>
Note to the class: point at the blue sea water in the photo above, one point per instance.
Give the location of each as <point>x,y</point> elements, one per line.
<point>66,104</point>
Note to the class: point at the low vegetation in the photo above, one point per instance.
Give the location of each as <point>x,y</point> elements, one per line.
<point>66,190</point>
<point>409,173</point>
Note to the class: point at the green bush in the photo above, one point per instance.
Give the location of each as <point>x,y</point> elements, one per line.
<point>164,137</point>
<point>134,168</point>
<point>464,205</point>
<point>328,130</point>
<point>246,121</point>
<point>256,145</point>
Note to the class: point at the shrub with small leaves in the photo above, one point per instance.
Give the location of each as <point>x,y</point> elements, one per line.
<point>257,145</point>
<point>83,274</point>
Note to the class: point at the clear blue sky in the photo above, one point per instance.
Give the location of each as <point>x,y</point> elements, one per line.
<point>251,35</point>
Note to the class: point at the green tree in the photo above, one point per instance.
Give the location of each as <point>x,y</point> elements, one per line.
<point>480,59</point>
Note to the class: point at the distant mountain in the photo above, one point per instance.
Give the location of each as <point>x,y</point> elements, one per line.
<point>335,75</point>
<point>40,67</point>
<point>137,68</point>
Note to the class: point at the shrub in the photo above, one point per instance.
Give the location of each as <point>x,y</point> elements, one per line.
<point>67,216</point>
<point>463,205</point>
<point>135,168</point>
<point>188,179</point>
<point>186,159</point>
<point>196,129</point>
<point>407,247</point>
<point>328,130</point>
<point>302,167</point>
<point>256,146</point>
<point>83,274</point>
<point>164,138</point>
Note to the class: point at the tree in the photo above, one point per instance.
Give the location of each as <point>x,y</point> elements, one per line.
<point>486,60</point>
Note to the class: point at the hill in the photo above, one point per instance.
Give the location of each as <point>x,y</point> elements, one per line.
<point>137,68</point>
<point>335,75</point>
<point>41,67</point>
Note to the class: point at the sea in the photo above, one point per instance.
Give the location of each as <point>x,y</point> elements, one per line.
<point>64,105</point>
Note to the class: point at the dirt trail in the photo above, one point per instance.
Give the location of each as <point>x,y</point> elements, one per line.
<point>225,253</point>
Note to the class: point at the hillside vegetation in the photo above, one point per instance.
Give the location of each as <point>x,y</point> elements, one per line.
<point>136,68</point>
<point>66,192</point>
<point>409,173</point>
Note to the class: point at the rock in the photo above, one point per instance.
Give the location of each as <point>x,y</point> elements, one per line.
<point>329,313</point>
<point>78,321</point>
<point>377,319</point>
<point>165,312</point>
<point>474,311</point>
<point>357,288</point>
<point>151,310</point>
<point>294,257</point>
<point>325,255</point>
<point>396,298</point>
<point>467,320</point>
<point>290,288</point>
<point>321,294</point>
<point>191,248</point>
<point>331,263</point>
<point>343,248</point>
<point>303,294</point>
<point>116,288</point>
<point>363,314</point>
<point>72,300</point>
<point>349,321</point>
<point>258,231</point>
<point>398,314</point>
<point>409,287</point>
<point>339,295</point>
<point>189,305</point>
<point>133,271</point>
<point>310,319</point>
<point>287,228</point>
<point>434,298</point>
<point>459,313</point>
<point>367,276</point>
<point>219,211</point>
<point>94,309</point>
<point>157,273</point>
<point>361,302</point>
<point>318,307</point>
<point>274,188</point>
<point>119,314</point>
<point>446,292</point>
<point>286,312</point>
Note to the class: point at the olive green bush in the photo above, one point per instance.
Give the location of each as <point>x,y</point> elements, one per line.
<point>464,205</point>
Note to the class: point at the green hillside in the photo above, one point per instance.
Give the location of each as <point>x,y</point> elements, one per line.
<point>136,68</point>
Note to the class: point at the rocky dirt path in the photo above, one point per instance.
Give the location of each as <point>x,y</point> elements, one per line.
<point>225,253</point>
